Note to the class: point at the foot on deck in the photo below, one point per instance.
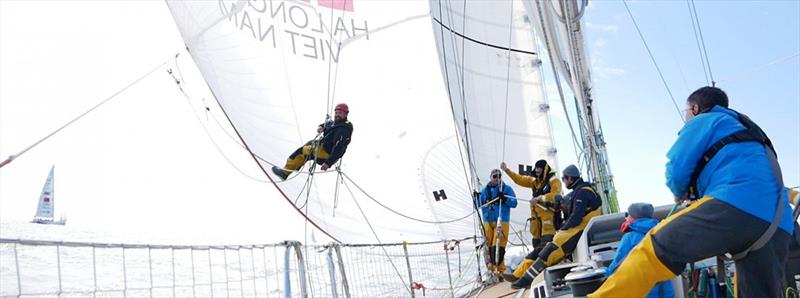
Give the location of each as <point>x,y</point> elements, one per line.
<point>522,283</point>
<point>509,277</point>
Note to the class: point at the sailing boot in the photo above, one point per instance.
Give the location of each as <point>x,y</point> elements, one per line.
<point>281,173</point>
<point>492,258</point>
<point>501,266</point>
<point>527,278</point>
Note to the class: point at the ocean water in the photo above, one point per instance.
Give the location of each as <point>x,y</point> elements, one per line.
<point>90,268</point>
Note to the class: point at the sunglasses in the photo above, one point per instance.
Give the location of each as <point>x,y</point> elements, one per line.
<point>495,176</point>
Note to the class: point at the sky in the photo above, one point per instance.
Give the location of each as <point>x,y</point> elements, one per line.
<point>639,120</point>
<point>142,163</point>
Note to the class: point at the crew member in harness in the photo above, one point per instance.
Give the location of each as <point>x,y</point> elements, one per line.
<point>326,151</point>
<point>725,163</point>
<point>584,204</point>
<point>545,186</point>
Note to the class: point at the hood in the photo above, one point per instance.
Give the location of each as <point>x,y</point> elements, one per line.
<point>643,225</point>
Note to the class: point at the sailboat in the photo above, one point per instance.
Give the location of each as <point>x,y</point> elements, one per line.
<point>46,207</point>
<point>277,68</point>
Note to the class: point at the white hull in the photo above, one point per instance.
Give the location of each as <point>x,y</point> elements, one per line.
<point>49,221</point>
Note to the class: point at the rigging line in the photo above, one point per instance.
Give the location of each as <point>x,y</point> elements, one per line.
<point>330,61</point>
<point>545,94</point>
<point>402,281</point>
<point>697,41</point>
<point>653,59</point>
<point>450,95</point>
<point>256,155</point>
<point>481,42</point>
<point>208,134</point>
<point>467,130</point>
<point>159,66</point>
<point>260,166</point>
<point>336,191</point>
<point>508,79</point>
<point>300,193</point>
<point>560,89</point>
<point>460,77</point>
<point>347,177</point>
<point>519,236</point>
<point>703,42</point>
<point>761,67</point>
<point>179,81</point>
<point>470,163</point>
<point>332,89</point>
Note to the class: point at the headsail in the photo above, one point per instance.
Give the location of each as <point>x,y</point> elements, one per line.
<point>44,211</point>
<point>490,61</point>
<point>276,68</point>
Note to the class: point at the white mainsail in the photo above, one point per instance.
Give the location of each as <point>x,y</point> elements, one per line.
<point>490,61</point>
<point>276,68</point>
<point>46,207</point>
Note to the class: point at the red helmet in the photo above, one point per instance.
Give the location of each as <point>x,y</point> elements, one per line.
<point>342,107</point>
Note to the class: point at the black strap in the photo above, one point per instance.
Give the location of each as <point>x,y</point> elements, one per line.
<point>753,133</point>
<point>776,219</point>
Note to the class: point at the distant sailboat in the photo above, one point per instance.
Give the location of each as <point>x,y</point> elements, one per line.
<point>46,208</point>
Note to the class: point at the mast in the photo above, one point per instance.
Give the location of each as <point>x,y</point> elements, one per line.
<point>564,17</point>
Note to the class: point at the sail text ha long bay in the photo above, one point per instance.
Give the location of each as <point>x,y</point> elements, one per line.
<point>299,27</point>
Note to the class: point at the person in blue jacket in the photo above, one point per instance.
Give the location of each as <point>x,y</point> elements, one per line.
<point>725,163</point>
<point>496,200</point>
<point>638,221</point>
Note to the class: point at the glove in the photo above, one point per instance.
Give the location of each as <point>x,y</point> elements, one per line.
<point>502,197</point>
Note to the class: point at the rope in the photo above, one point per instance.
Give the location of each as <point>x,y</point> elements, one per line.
<point>575,144</point>
<point>508,80</point>
<point>697,40</point>
<point>398,213</point>
<point>467,131</point>
<point>703,42</point>
<point>332,87</point>
<point>14,156</point>
<point>653,59</point>
<point>509,48</point>
<point>467,138</point>
<point>402,281</point>
<point>761,67</point>
<point>178,83</point>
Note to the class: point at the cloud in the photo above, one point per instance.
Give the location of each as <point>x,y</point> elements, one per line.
<point>604,71</point>
<point>599,43</point>
<point>603,27</point>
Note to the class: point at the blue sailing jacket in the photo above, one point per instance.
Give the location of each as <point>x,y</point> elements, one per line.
<point>491,211</point>
<point>739,174</point>
<point>638,228</point>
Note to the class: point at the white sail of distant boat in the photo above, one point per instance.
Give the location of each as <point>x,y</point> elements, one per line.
<point>46,209</point>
